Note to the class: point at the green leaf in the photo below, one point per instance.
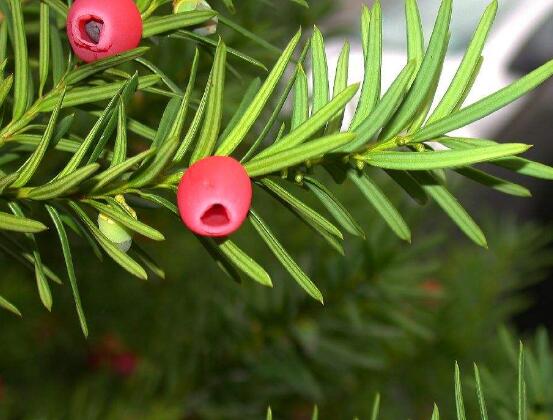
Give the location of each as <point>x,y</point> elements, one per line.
<point>127,220</point>
<point>405,180</point>
<point>62,127</point>
<point>29,142</point>
<point>470,84</point>
<point>156,199</point>
<point>3,41</point>
<point>522,403</point>
<point>254,110</point>
<point>376,407</point>
<point>312,125</point>
<point>167,119</point>
<point>4,303</point>
<point>62,234</point>
<point>480,392</point>
<point>365,28</point>
<point>459,395</point>
<point>334,206</point>
<point>415,34</point>
<point>244,262</point>
<point>5,88</point>
<point>21,255</point>
<point>125,96</point>
<point>116,119</point>
<point>168,82</point>
<point>285,259</point>
<point>300,208</point>
<point>58,6</point>
<point>178,123</point>
<point>42,283</point>
<point>486,105</point>
<point>195,124</point>
<point>30,166</point>
<point>143,5</point>
<point>60,186</point>
<point>111,174</point>
<point>320,71</point>
<point>86,95</point>
<point>148,173</point>
<point>87,70</point>
<point>120,148</point>
<point>142,130</point>
<point>7,180</point>
<point>44,47</point>
<point>451,207</point>
<point>517,164</point>
<point>303,3</point>
<point>109,247</point>
<point>184,34</point>
<point>248,34</point>
<point>148,262</point>
<point>381,203</point>
<point>250,93</point>
<point>435,413</point>
<point>300,110</point>
<point>277,108</point>
<point>19,41</point>
<point>79,155</point>
<point>441,159</point>
<point>287,158</point>
<point>427,74</point>
<point>214,113</point>
<point>458,89</point>
<point>315,415</point>
<point>158,25</point>
<point>20,224</point>
<point>44,291</point>
<point>421,116</point>
<point>56,50</point>
<point>370,91</point>
<point>525,167</point>
<point>220,259</point>
<point>384,110</point>
<point>340,84</point>
<point>494,182</point>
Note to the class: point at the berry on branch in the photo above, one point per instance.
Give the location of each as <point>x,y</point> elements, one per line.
<point>214,196</point>
<point>101,28</point>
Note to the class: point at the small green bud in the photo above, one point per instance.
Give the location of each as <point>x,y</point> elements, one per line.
<point>114,231</point>
<point>207,28</point>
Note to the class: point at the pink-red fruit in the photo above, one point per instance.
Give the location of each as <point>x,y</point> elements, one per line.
<point>101,28</point>
<point>214,196</point>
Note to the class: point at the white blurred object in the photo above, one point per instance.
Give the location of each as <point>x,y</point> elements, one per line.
<point>515,24</point>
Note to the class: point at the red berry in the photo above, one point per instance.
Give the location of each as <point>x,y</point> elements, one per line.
<point>101,28</point>
<point>214,196</point>
<point>124,364</point>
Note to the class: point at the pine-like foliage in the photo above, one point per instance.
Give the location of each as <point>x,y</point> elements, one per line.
<point>44,92</point>
<point>521,397</point>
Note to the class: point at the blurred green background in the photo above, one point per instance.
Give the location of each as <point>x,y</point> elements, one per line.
<point>195,345</point>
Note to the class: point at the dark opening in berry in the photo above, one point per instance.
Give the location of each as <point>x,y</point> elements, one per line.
<point>93,30</point>
<point>215,216</point>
